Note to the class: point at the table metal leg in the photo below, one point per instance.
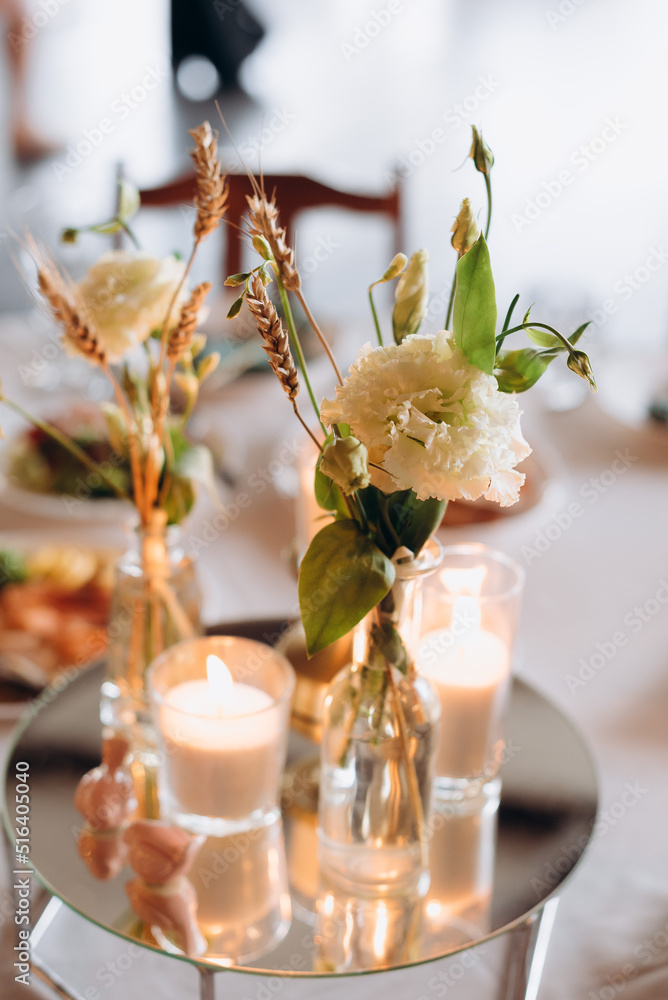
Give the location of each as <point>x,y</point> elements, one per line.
<point>527,950</point>
<point>206,984</point>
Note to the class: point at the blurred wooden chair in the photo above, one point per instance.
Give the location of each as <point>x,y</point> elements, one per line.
<point>294,194</point>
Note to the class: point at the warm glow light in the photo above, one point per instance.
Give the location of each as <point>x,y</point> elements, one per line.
<point>464,582</point>
<point>465,616</point>
<point>433,908</point>
<point>380,934</point>
<point>328,905</point>
<point>220,682</point>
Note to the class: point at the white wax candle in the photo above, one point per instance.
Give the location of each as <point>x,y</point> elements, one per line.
<point>469,670</point>
<point>222,747</point>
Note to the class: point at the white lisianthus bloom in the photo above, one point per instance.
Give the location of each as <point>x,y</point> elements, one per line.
<point>432,422</point>
<point>127,295</point>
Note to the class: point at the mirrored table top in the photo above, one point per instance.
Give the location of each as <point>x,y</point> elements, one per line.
<point>494,858</point>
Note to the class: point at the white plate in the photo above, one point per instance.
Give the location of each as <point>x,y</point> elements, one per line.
<point>54,507</point>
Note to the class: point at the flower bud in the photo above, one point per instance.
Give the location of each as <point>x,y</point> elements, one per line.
<point>189,386</point>
<point>397,265</point>
<point>411,297</point>
<point>481,154</point>
<point>128,200</point>
<point>578,362</point>
<point>197,344</point>
<point>208,366</point>
<point>465,230</point>
<point>345,461</point>
<point>262,247</point>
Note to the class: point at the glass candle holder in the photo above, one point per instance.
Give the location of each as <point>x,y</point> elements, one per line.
<point>221,707</point>
<point>469,619</point>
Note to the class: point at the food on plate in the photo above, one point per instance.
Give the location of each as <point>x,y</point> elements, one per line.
<point>54,606</point>
<point>40,464</point>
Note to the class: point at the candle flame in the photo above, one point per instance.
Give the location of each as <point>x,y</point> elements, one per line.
<point>220,681</point>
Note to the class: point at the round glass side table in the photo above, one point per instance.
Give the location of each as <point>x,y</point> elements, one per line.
<point>498,863</point>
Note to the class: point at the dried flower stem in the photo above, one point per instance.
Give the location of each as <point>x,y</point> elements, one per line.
<point>263,215</point>
<point>319,334</point>
<point>276,345</point>
<point>133,444</point>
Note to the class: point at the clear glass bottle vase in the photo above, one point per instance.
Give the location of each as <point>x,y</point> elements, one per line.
<point>379,741</point>
<point>155,604</point>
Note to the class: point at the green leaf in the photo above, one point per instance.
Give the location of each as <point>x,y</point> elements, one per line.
<point>235,308</point>
<point>179,500</point>
<point>195,464</point>
<point>327,493</point>
<point>237,279</point>
<point>544,339</point>
<point>341,578</point>
<point>517,371</point>
<point>474,312</point>
<point>574,337</point>
<point>415,520</point>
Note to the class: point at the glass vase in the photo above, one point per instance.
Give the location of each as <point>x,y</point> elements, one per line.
<point>379,740</point>
<point>155,604</point>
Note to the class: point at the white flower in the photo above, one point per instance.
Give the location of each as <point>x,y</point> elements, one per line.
<point>432,422</point>
<point>127,295</point>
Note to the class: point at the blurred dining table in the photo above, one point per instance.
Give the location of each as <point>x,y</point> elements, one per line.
<point>593,638</point>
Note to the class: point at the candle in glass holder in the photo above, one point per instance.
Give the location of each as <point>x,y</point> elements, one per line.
<point>469,672</point>
<point>222,721</point>
<point>476,596</point>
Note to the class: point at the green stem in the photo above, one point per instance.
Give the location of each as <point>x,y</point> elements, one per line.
<point>294,338</point>
<point>506,323</point>
<point>544,326</point>
<point>375,314</point>
<point>130,233</point>
<point>66,442</point>
<point>451,300</point>
<point>488,188</point>
<point>388,522</point>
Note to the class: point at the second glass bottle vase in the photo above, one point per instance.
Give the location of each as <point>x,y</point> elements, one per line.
<point>379,739</point>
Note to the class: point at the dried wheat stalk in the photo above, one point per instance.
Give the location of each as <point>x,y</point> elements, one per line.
<point>276,342</point>
<point>263,217</point>
<point>77,329</point>
<point>212,192</point>
<point>181,336</point>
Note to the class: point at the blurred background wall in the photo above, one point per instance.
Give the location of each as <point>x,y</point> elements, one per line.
<point>570,95</point>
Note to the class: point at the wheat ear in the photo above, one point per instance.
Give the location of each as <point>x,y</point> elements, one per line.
<point>211,195</point>
<point>182,335</point>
